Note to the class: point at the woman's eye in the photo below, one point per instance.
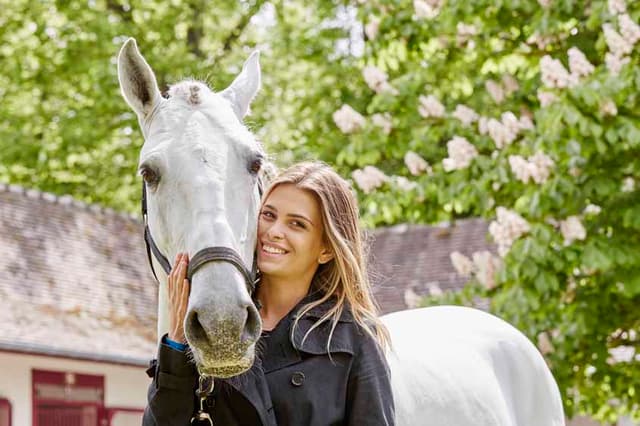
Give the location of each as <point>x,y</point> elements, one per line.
<point>298,224</point>
<point>150,176</point>
<point>268,215</point>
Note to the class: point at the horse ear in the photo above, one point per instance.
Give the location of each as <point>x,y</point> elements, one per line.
<point>245,86</point>
<point>137,81</point>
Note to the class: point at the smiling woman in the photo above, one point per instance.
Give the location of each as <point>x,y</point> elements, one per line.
<point>322,344</point>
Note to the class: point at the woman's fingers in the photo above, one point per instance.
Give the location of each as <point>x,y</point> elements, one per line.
<point>177,279</point>
<point>178,297</point>
<point>182,270</point>
<point>171,279</point>
<point>184,294</point>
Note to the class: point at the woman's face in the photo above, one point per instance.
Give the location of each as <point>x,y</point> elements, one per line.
<point>290,232</point>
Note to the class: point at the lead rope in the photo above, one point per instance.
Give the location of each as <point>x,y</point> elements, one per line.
<point>205,388</point>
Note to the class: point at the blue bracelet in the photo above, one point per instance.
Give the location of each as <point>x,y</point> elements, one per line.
<point>175,345</point>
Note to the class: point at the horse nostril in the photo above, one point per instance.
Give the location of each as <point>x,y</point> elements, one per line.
<point>251,326</point>
<point>195,329</point>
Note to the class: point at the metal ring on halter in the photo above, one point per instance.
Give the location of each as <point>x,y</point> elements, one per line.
<point>205,386</point>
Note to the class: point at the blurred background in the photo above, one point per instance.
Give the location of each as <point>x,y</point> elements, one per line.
<point>494,147</point>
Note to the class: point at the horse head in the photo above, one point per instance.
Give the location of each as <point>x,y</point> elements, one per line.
<point>200,167</point>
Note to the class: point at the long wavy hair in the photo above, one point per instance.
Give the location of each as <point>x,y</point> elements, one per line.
<point>344,278</point>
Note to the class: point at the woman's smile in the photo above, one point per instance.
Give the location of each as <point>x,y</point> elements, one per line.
<point>271,249</point>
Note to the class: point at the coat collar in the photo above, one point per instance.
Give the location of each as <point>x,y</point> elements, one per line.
<point>320,310</point>
<point>285,345</point>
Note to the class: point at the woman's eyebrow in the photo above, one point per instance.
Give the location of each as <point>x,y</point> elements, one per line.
<point>299,216</point>
<point>293,215</point>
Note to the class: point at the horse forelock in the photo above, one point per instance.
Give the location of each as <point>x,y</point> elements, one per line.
<point>190,91</point>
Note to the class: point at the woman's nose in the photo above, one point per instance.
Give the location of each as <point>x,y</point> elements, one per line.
<point>275,232</point>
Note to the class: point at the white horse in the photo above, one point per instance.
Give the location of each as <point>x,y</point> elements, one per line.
<point>450,366</point>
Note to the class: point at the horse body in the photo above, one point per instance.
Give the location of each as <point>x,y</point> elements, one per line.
<point>456,366</point>
<point>450,366</point>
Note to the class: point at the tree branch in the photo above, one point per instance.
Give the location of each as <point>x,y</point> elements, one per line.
<point>239,28</point>
<point>196,30</point>
<point>124,13</point>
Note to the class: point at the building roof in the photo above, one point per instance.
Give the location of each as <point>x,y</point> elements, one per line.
<point>74,280</point>
<point>412,261</point>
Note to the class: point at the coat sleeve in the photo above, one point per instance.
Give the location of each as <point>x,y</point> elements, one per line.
<point>171,397</point>
<point>369,396</point>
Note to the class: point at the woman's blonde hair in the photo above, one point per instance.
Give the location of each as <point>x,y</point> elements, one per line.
<point>345,276</point>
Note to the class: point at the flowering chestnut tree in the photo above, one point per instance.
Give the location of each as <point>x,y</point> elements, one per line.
<point>525,113</point>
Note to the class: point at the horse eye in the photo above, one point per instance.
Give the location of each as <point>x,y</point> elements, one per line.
<point>255,166</point>
<point>150,176</point>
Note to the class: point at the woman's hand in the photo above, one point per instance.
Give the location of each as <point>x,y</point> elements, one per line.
<point>178,298</point>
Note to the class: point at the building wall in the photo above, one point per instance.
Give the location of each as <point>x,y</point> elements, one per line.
<point>125,386</point>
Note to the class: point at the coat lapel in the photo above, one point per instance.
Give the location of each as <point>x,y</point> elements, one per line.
<point>253,386</point>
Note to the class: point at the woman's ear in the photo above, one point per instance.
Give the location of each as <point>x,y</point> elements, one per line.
<point>325,256</point>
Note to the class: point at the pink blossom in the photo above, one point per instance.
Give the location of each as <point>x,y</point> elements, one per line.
<point>615,63</point>
<point>372,27</point>
<point>383,121</point>
<point>461,153</point>
<point>546,98</point>
<point>629,30</point>
<point>578,63</point>
<point>572,229</point>
<point>617,6</point>
<point>348,120</point>
<point>416,164</point>
<point>369,178</point>
<point>495,90</point>
<point>430,106</point>
<point>465,114</point>
<point>462,264</point>
<point>507,228</point>
<point>376,79</point>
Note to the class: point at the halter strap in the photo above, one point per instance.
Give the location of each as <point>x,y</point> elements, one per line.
<point>149,243</point>
<point>220,254</point>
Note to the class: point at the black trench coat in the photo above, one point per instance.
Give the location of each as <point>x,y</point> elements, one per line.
<point>291,383</point>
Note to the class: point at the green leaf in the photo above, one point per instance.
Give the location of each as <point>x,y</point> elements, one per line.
<point>594,258</point>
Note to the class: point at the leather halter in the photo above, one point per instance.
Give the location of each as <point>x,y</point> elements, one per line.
<point>202,257</point>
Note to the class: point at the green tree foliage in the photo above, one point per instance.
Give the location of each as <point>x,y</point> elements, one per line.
<point>546,148</point>
<point>65,127</point>
<point>551,149</point>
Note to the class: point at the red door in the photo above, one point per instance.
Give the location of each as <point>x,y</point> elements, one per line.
<point>61,415</point>
<point>67,399</point>
<point>5,412</point>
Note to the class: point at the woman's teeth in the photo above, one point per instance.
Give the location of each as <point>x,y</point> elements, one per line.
<point>273,250</point>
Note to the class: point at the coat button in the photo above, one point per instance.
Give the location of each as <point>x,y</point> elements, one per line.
<point>297,378</point>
